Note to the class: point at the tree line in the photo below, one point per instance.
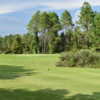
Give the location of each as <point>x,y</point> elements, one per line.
<point>50,33</point>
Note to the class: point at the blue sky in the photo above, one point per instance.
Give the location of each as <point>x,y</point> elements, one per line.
<point>15,14</point>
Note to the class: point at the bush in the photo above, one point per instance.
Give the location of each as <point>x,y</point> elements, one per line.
<point>82,58</point>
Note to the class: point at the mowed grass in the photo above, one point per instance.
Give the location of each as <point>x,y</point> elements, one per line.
<point>35,77</point>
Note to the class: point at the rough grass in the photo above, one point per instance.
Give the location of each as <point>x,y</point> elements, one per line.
<point>35,77</point>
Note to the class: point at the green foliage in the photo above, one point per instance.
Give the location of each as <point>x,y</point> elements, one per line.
<point>82,58</point>
<point>86,17</point>
<point>86,24</point>
<point>97,29</point>
<point>50,33</point>
<point>33,26</point>
<point>17,45</point>
<point>66,19</point>
<point>44,24</point>
<point>55,23</point>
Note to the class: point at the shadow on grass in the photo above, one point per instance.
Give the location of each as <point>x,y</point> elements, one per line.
<point>46,94</point>
<point>12,72</point>
<point>94,96</point>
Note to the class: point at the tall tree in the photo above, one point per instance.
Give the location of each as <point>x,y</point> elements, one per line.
<point>16,46</point>
<point>29,43</point>
<point>1,44</point>
<point>44,28</point>
<point>86,23</point>
<point>66,21</point>
<point>33,28</point>
<point>67,26</point>
<point>54,23</point>
<point>97,29</point>
<point>86,17</point>
<point>55,26</point>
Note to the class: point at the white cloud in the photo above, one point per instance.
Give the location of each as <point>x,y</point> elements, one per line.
<point>94,2</point>
<point>7,8</point>
<point>62,5</point>
<point>65,4</point>
<point>53,4</point>
<point>3,11</point>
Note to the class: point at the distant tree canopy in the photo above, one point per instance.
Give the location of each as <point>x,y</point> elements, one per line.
<point>50,33</point>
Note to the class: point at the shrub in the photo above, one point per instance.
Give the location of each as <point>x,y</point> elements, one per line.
<point>82,58</point>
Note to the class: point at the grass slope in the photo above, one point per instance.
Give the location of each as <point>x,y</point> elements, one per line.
<point>35,77</point>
